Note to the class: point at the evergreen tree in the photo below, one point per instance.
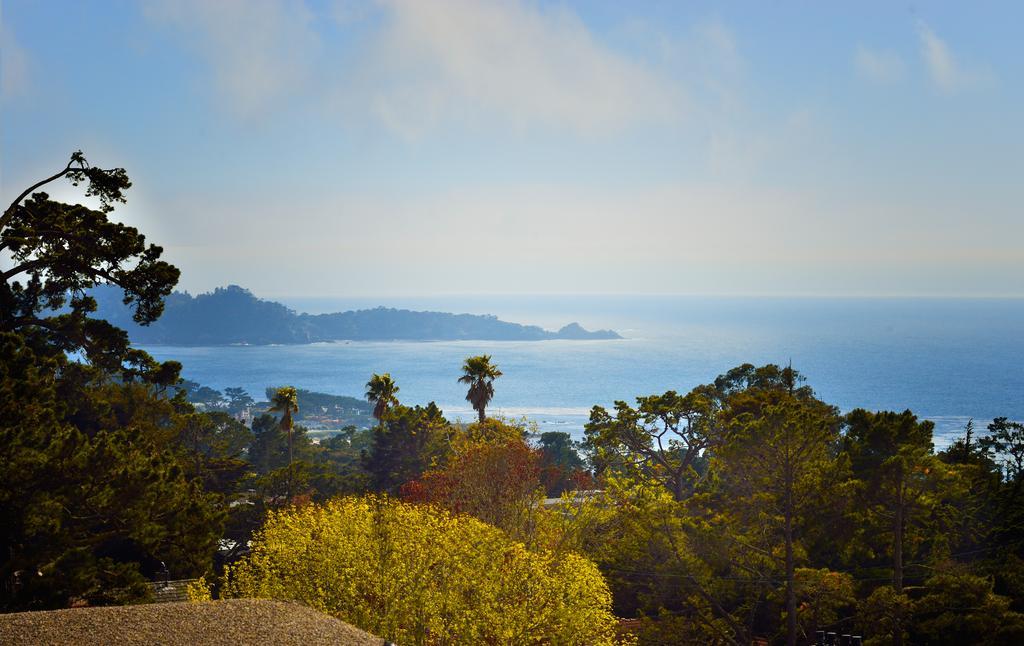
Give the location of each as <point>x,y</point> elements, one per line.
<point>775,467</point>
<point>60,251</point>
<point>93,493</point>
<point>406,443</point>
<point>85,514</point>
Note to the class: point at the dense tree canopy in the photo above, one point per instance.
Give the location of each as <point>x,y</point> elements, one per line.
<point>803,520</point>
<point>562,468</point>
<point>88,506</point>
<point>407,442</point>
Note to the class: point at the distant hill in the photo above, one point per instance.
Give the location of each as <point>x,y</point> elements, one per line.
<point>233,315</point>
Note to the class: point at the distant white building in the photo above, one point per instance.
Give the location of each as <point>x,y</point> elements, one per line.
<point>578,496</point>
<point>245,416</point>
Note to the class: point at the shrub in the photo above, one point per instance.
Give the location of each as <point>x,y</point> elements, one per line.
<point>417,574</point>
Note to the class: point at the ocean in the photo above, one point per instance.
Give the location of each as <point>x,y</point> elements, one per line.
<point>948,360</point>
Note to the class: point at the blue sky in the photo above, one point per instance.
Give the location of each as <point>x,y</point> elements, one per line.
<point>408,148</point>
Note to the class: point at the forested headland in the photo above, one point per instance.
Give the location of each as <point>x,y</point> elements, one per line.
<point>233,315</point>
<point>746,508</point>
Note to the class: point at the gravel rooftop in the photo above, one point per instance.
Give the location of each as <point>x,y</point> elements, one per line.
<point>235,621</point>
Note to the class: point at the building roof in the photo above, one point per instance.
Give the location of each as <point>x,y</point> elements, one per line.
<point>236,622</point>
<point>170,591</point>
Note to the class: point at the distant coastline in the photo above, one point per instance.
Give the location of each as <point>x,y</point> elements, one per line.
<point>234,316</point>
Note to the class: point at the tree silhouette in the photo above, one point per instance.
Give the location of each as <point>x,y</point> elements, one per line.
<point>381,391</point>
<point>480,374</point>
<point>60,251</point>
<point>286,402</point>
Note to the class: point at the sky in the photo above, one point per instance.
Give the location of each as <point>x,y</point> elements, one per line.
<point>411,147</point>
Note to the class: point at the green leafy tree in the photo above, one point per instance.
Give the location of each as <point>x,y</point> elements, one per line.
<point>480,374</point>
<point>669,564</point>
<point>59,251</point>
<point>664,437</point>
<point>215,444</point>
<point>269,447</point>
<point>884,616</point>
<point>747,377</point>
<point>992,520</point>
<point>707,566</point>
<point>285,401</point>
<point>203,396</point>
<point>775,467</point>
<point>822,595</point>
<point>382,392</point>
<point>85,513</point>
<point>496,482</point>
<point>407,443</point>
<point>339,466</point>
<point>237,399</point>
<point>891,454</point>
<point>981,519</point>
<point>1005,444</point>
<point>901,483</point>
<point>960,608</point>
<point>561,464</point>
<point>93,493</point>
<point>493,430</point>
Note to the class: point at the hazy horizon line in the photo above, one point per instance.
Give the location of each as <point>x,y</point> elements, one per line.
<point>745,295</point>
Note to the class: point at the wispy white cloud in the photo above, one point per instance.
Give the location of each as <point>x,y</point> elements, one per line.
<point>14,75</point>
<point>879,66</point>
<point>946,72</point>
<point>259,51</point>
<point>413,65</point>
<point>461,61</point>
<point>708,62</point>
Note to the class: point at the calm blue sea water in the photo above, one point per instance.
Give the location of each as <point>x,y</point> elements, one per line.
<point>948,360</point>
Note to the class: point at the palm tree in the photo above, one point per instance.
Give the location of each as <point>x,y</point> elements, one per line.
<point>480,374</point>
<point>382,392</point>
<point>286,402</point>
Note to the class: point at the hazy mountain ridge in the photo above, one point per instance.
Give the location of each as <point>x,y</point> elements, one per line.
<point>233,315</point>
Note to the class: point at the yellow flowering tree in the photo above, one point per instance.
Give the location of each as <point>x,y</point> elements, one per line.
<point>419,575</point>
